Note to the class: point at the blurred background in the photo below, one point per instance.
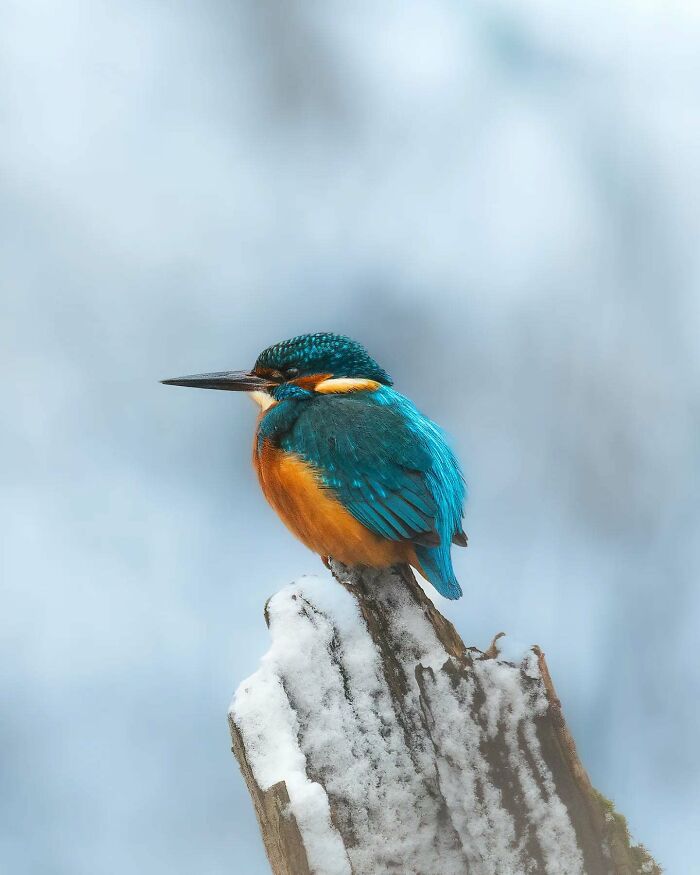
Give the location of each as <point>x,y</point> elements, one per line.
<point>500,199</point>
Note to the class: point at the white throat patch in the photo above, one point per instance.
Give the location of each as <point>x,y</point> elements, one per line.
<point>263,399</point>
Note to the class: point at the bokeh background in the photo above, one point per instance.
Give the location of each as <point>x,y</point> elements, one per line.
<point>500,199</point>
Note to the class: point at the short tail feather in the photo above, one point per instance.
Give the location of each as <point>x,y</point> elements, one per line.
<point>436,564</point>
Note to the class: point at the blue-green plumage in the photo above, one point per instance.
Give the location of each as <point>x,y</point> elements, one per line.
<point>322,353</point>
<point>388,464</point>
<point>382,470</point>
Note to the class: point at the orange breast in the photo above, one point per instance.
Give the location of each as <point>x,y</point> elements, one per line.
<point>313,513</point>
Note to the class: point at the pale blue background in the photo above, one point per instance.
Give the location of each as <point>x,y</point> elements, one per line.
<point>501,200</point>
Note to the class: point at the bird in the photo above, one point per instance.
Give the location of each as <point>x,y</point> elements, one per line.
<point>349,464</point>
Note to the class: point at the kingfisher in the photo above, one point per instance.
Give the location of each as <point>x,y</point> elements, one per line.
<point>351,466</point>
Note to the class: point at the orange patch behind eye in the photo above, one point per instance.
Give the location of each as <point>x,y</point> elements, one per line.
<point>311,381</point>
<point>327,384</point>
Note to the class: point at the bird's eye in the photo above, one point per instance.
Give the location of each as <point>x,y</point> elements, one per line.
<point>291,372</point>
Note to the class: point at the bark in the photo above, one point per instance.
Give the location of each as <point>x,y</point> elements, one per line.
<point>461,763</point>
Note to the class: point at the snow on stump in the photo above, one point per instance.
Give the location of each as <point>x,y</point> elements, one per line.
<point>373,741</point>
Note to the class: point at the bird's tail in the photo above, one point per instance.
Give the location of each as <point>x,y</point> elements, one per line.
<point>436,565</point>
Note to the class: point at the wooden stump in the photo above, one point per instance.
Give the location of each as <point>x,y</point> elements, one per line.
<point>373,741</point>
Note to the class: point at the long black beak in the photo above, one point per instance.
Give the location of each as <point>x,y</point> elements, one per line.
<point>229,381</point>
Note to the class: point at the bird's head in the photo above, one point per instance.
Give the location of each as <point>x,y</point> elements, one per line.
<point>311,363</point>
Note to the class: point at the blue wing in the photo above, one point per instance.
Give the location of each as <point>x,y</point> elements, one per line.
<point>391,468</point>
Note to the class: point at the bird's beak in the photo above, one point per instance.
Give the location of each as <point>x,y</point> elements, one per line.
<point>230,381</point>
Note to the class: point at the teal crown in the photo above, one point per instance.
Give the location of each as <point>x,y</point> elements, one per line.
<point>322,353</point>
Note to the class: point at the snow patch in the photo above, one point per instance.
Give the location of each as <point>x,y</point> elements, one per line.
<point>270,729</point>
<point>407,776</point>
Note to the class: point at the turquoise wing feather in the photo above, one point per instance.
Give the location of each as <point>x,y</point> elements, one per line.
<point>391,468</point>
<point>367,455</point>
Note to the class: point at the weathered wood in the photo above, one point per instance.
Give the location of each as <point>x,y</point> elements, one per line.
<point>280,832</point>
<point>406,752</point>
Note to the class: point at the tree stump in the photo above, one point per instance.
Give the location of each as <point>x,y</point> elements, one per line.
<point>373,741</point>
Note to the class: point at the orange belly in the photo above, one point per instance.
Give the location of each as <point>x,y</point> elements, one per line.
<point>317,518</point>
